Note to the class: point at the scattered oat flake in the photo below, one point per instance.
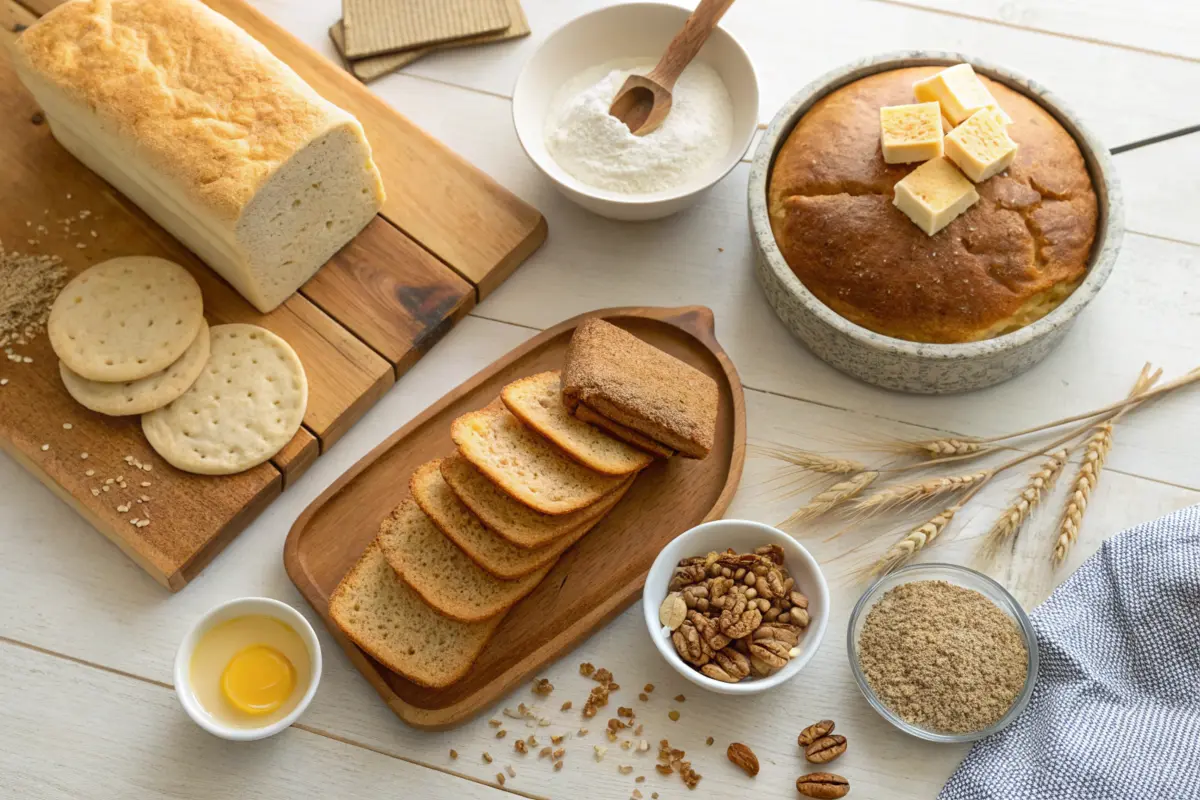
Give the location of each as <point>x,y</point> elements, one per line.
<point>674,715</point>
<point>512,773</point>
<point>625,769</point>
<point>599,752</point>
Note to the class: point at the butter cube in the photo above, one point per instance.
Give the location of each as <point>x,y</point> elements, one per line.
<point>910,133</point>
<point>981,146</point>
<point>959,91</point>
<point>933,194</point>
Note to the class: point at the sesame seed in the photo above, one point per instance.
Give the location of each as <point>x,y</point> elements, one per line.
<point>67,426</point>
<point>84,456</point>
<point>45,447</point>
<point>90,472</point>
<point>147,467</point>
<point>105,488</point>
<point>143,523</point>
<point>133,520</point>
<point>27,360</point>
<point>95,492</point>
<point>3,381</point>
<point>145,483</point>
<point>80,246</point>
<point>145,498</point>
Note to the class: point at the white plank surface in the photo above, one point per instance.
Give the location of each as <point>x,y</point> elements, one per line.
<point>74,732</point>
<point>1155,26</point>
<point>67,590</point>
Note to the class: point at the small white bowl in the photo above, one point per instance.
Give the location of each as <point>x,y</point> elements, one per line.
<point>742,536</point>
<point>241,607</point>
<point>634,30</point>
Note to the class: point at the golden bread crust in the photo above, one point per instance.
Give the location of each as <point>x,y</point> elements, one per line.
<point>207,105</point>
<point>1006,262</point>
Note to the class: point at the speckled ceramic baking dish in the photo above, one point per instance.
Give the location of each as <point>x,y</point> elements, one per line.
<point>914,366</point>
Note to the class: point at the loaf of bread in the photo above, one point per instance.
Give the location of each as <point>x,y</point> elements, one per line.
<point>208,132</point>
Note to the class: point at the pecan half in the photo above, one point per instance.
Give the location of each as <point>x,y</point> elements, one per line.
<point>825,749</point>
<point>788,634</point>
<point>694,593</point>
<point>743,757</point>
<point>672,612</point>
<point>686,576</point>
<point>771,551</point>
<point>772,652</point>
<point>728,666</point>
<point>690,646</point>
<point>813,732</point>
<point>823,785</point>
<point>709,631</point>
<point>759,667</point>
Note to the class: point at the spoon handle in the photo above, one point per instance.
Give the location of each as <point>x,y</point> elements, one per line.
<point>687,43</point>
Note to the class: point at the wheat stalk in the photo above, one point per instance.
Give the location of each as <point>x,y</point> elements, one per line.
<point>914,541</point>
<point>1096,451</point>
<point>832,497</point>
<point>918,491</point>
<point>1009,524</point>
<point>812,462</point>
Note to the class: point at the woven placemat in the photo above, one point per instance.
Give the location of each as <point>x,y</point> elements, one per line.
<point>373,27</point>
<point>372,67</point>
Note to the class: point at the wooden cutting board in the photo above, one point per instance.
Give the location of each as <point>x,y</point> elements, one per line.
<point>592,582</point>
<point>447,236</point>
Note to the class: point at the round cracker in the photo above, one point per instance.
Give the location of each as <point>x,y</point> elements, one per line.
<point>144,394</point>
<point>125,318</point>
<point>245,406</point>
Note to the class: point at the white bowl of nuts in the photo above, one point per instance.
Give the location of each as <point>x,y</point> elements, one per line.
<point>735,606</point>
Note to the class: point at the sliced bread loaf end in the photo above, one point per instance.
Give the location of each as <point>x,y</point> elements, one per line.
<point>388,620</point>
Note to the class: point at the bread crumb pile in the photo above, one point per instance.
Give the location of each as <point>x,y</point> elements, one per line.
<point>943,657</point>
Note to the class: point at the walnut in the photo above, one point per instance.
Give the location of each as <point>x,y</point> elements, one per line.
<point>686,576</point>
<point>689,644</point>
<point>728,666</point>
<point>692,594</point>
<point>740,619</point>
<point>709,631</point>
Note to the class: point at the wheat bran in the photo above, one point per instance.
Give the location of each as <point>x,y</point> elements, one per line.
<point>28,286</point>
<point>942,657</point>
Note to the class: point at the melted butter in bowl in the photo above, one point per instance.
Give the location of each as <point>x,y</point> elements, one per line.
<point>248,669</point>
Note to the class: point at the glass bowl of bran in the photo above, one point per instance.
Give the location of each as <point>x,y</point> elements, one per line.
<point>960,577</point>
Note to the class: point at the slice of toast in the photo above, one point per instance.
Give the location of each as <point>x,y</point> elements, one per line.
<point>585,413</point>
<point>526,466</point>
<point>442,574</point>
<point>489,550</point>
<point>641,387</point>
<point>537,402</point>
<point>514,521</point>
<point>387,619</point>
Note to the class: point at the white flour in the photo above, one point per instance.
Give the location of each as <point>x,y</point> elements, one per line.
<point>600,151</point>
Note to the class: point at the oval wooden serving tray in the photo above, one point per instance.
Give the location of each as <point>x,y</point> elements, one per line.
<point>593,581</point>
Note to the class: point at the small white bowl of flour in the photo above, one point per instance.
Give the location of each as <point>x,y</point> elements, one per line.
<point>560,109</point>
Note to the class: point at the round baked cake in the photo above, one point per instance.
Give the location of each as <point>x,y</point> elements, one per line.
<point>1007,261</point>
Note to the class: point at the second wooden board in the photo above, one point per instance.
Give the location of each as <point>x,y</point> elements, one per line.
<point>592,582</point>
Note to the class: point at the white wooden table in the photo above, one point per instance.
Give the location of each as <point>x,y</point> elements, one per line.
<point>87,640</point>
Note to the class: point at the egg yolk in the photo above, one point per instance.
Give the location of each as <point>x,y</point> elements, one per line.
<point>258,680</point>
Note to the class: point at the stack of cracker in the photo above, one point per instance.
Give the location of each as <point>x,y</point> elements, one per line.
<point>377,37</point>
<point>131,339</point>
<point>529,478</point>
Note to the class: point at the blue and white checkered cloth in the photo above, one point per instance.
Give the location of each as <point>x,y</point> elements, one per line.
<point>1115,714</point>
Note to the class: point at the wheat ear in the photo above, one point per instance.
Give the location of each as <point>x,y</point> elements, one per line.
<point>914,542</point>
<point>832,497</point>
<point>917,491</point>
<point>1009,525</point>
<point>1095,453</point>
<point>812,462</point>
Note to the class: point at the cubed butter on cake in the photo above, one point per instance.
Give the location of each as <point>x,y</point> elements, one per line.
<point>959,91</point>
<point>933,194</point>
<point>981,146</point>
<point>910,133</point>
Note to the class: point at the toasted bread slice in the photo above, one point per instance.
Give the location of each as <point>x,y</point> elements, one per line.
<point>486,548</point>
<point>442,574</point>
<point>387,619</point>
<point>526,466</point>
<point>537,402</point>
<point>585,413</point>
<point>514,521</point>
<point>641,387</point>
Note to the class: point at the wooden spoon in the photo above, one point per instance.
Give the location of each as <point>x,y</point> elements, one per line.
<point>645,100</point>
